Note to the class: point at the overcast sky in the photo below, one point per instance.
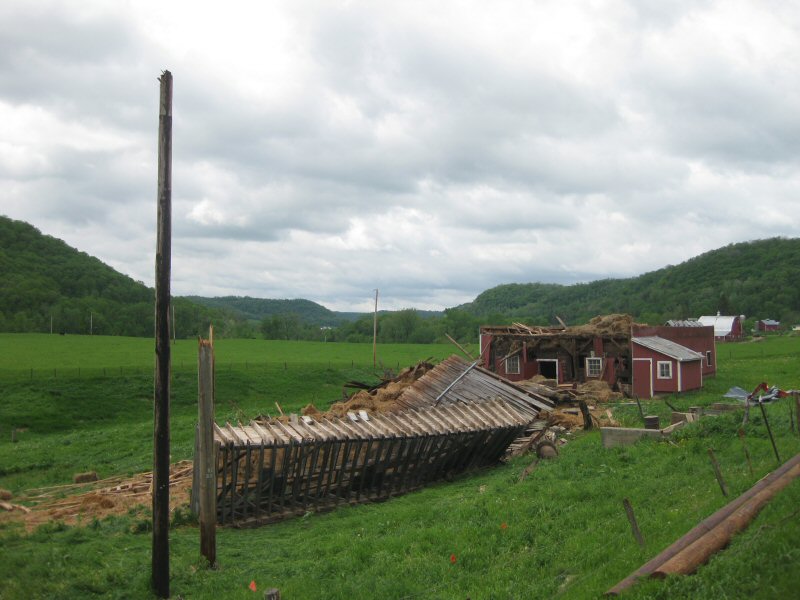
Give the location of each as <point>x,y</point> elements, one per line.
<point>429,149</point>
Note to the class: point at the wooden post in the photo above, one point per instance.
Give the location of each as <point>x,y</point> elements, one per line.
<point>206,456</point>
<point>375,333</point>
<point>746,451</point>
<point>796,396</point>
<point>587,416</point>
<point>641,412</point>
<point>634,525</point>
<point>718,472</point>
<point>160,551</point>
<point>769,430</point>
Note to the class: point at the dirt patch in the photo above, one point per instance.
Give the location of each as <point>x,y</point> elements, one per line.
<point>74,503</point>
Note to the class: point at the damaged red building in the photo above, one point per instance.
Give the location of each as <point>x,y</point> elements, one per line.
<point>640,360</point>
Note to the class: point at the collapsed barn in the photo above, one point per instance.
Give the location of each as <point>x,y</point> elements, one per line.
<point>455,417</point>
<point>636,359</point>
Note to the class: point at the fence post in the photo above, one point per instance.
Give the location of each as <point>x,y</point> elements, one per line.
<point>632,519</point>
<point>207,467</point>
<point>718,473</point>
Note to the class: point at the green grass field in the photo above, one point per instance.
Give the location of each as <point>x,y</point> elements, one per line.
<point>38,356</point>
<point>560,533</point>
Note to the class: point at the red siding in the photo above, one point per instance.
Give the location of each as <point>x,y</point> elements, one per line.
<point>691,376</point>
<point>685,375</point>
<point>642,374</point>
<point>699,339</point>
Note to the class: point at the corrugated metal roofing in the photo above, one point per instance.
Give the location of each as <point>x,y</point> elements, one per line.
<point>684,323</point>
<point>770,322</point>
<point>722,325</point>
<point>668,348</point>
<point>455,380</point>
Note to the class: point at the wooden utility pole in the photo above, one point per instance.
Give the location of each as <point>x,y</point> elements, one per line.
<point>375,333</point>
<point>160,557</point>
<point>206,455</point>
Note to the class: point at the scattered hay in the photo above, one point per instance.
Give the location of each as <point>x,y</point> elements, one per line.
<point>5,494</point>
<point>597,391</point>
<point>379,399</point>
<point>87,477</point>
<point>309,410</point>
<point>72,504</point>
<point>614,324</point>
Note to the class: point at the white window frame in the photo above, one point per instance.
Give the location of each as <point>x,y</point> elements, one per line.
<point>513,360</point>
<point>597,360</point>
<point>664,363</point>
<point>708,358</point>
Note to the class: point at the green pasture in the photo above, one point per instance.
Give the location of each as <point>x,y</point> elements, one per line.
<point>562,532</point>
<point>39,355</point>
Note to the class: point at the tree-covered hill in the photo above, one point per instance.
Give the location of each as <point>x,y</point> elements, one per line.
<point>759,279</point>
<point>44,281</point>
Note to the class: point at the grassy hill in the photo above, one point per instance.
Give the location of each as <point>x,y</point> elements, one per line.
<point>758,279</point>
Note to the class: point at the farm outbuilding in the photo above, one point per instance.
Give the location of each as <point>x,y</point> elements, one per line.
<point>600,350</point>
<point>691,334</point>
<point>661,366</point>
<point>726,328</point>
<point>767,325</point>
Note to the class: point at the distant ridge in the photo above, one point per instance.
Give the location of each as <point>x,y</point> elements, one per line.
<point>255,309</point>
<point>44,281</point>
<point>758,279</point>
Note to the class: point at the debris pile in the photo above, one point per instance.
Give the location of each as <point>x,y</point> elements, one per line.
<point>615,324</point>
<point>595,391</point>
<point>73,502</point>
<point>381,398</point>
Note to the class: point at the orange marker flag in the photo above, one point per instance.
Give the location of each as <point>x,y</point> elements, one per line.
<point>252,585</point>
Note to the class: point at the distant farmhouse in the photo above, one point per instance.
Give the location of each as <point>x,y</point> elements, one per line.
<point>726,329</point>
<point>767,325</point>
<point>641,360</point>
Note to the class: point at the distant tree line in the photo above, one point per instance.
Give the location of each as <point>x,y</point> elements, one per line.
<point>399,327</point>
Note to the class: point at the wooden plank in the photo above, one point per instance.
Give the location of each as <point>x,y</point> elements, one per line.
<point>222,436</point>
<point>266,438</point>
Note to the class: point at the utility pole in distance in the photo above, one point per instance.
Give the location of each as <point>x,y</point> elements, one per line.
<point>375,333</point>
<point>160,554</point>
